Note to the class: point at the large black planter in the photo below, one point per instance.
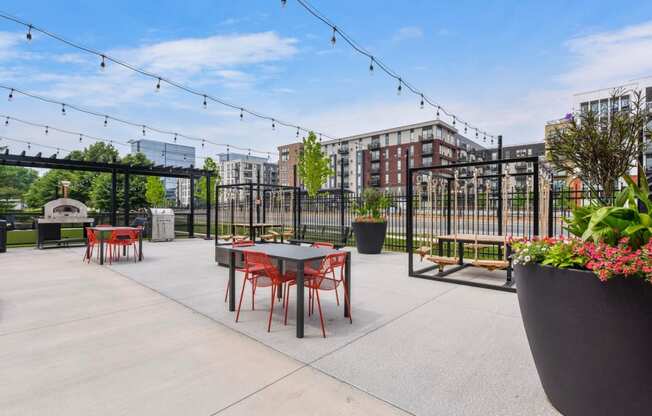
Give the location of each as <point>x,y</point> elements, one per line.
<point>591,341</point>
<point>369,236</point>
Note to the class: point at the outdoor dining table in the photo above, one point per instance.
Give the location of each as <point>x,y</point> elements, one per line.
<point>298,255</point>
<point>103,233</point>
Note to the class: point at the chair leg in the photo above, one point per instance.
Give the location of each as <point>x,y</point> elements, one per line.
<point>271,310</point>
<point>244,283</point>
<point>226,295</point>
<point>253,295</point>
<point>337,297</point>
<point>321,316</point>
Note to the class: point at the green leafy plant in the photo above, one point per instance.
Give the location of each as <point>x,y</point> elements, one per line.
<point>371,207</point>
<point>314,166</point>
<point>155,193</point>
<point>563,254</point>
<point>623,219</point>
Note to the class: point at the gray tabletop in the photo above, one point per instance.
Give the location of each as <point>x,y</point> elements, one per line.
<point>287,251</point>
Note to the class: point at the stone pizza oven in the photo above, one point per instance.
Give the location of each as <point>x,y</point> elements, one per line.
<point>61,211</point>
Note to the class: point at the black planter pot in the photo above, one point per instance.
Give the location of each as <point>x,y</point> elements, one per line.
<point>591,340</point>
<point>369,236</point>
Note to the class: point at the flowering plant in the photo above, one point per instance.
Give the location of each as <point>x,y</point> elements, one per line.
<point>606,261</point>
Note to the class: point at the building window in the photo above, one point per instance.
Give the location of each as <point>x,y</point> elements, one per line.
<point>398,138</point>
<point>386,153</point>
<point>398,151</point>
<point>386,178</point>
<point>398,165</point>
<point>398,178</point>
<point>386,139</point>
<point>386,165</point>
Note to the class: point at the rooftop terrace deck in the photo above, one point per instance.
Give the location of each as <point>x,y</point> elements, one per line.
<point>156,338</point>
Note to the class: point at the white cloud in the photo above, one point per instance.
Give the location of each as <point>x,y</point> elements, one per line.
<point>193,55</point>
<point>407,33</point>
<point>604,59</point>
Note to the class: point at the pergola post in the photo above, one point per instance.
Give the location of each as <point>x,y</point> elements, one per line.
<point>114,190</point>
<point>191,218</point>
<point>127,208</point>
<point>208,205</point>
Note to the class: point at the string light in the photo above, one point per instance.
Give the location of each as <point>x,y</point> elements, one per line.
<point>273,125</point>
<point>465,127</point>
<point>297,131</point>
<point>438,111</point>
<point>11,95</point>
<point>334,38</point>
<point>47,130</point>
<point>81,137</point>
<point>373,59</point>
<point>158,85</point>
<point>106,121</point>
<point>29,33</point>
<point>134,68</point>
<point>202,143</point>
<point>175,137</point>
<point>7,121</point>
<point>29,145</point>
<point>371,66</point>
<point>454,120</point>
<point>241,114</point>
<point>144,132</point>
<point>63,109</point>
<point>400,87</point>
<point>284,3</point>
<point>205,104</point>
<point>421,103</point>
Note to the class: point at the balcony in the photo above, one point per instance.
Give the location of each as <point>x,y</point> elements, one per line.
<point>426,149</point>
<point>375,156</point>
<point>375,168</point>
<point>374,181</point>
<point>374,146</point>
<point>428,137</point>
<point>343,150</point>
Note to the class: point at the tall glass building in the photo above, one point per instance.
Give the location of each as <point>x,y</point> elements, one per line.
<point>168,154</point>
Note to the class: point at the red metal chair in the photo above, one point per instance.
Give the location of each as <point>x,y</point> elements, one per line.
<point>122,239</point>
<point>267,276</point>
<point>240,243</point>
<point>322,244</point>
<point>92,241</point>
<point>324,279</point>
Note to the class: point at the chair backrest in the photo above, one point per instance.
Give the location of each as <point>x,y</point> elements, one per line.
<point>243,243</point>
<point>332,262</point>
<point>323,244</point>
<point>258,259</point>
<point>90,234</point>
<point>123,235</point>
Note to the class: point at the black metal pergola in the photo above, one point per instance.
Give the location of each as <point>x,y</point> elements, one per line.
<point>115,168</point>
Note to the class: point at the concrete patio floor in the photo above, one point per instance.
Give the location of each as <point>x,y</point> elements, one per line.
<point>156,338</point>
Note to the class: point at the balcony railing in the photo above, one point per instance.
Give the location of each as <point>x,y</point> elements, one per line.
<point>373,146</point>
<point>428,137</point>
<point>375,156</point>
<point>426,149</point>
<point>375,168</point>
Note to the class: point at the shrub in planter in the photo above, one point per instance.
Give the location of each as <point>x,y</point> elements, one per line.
<point>369,225</point>
<point>586,304</point>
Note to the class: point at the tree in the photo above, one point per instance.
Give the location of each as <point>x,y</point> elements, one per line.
<point>600,148</point>
<point>314,166</point>
<point>100,196</point>
<point>155,193</point>
<point>14,182</point>
<point>200,189</point>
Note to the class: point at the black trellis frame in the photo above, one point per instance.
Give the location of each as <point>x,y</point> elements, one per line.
<point>114,169</point>
<point>257,193</point>
<point>409,220</point>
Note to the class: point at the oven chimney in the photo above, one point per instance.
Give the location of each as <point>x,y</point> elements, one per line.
<point>64,188</point>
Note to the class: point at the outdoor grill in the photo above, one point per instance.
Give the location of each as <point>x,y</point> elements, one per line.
<point>58,212</point>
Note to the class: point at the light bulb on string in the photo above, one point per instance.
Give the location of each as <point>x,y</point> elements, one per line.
<point>175,137</point>
<point>465,128</point>
<point>454,120</point>
<point>29,33</point>
<point>158,85</point>
<point>63,109</point>
<point>241,114</point>
<point>400,87</point>
<point>273,125</point>
<point>284,3</point>
<point>297,131</point>
<point>421,104</point>
<point>46,130</point>
<point>7,121</point>
<point>320,137</point>
<point>202,143</point>
<point>144,132</point>
<point>58,151</point>
<point>11,95</point>
<point>438,111</point>
<point>371,66</point>
<point>476,134</point>
<point>205,104</point>
<point>334,38</point>
<point>106,121</point>
<point>81,137</point>
<point>29,146</point>
<point>484,137</point>
<point>103,63</point>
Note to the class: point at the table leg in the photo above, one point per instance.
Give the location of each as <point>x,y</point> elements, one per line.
<point>460,252</point>
<point>101,249</point>
<point>232,281</point>
<point>347,285</point>
<point>300,265</point>
<point>508,253</point>
<point>140,245</point>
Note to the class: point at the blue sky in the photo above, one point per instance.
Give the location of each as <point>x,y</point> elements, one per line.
<point>506,66</point>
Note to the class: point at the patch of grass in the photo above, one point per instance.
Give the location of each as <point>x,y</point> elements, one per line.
<point>28,237</point>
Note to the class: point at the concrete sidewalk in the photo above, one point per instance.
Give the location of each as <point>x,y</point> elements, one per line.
<point>156,338</point>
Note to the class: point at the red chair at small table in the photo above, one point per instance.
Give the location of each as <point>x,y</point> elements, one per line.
<point>240,243</point>
<point>122,239</point>
<point>324,279</point>
<point>92,241</point>
<point>266,275</point>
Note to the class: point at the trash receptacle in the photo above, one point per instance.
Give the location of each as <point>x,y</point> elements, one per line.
<point>3,236</point>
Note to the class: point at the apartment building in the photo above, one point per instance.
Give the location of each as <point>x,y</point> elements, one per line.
<point>378,158</point>
<point>168,154</point>
<point>241,168</point>
<point>288,159</point>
